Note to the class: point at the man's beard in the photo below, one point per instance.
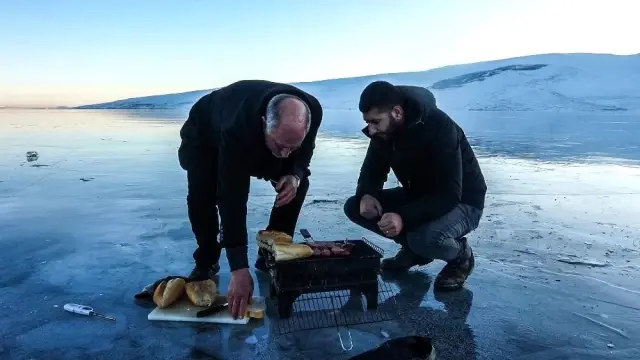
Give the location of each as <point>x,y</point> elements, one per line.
<point>387,134</point>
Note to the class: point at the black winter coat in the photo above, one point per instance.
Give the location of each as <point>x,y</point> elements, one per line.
<point>431,158</point>
<point>226,127</point>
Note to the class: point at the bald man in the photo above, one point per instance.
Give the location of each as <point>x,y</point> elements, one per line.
<point>249,128</point>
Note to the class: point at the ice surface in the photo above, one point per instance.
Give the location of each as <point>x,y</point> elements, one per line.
<point>563,82</point>
<point>560,186</point>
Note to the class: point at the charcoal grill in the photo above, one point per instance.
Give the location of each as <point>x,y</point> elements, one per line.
<point>320,286</point>
<point>358,271</point>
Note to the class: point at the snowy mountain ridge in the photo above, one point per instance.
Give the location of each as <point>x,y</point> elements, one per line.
<point>567,82</point>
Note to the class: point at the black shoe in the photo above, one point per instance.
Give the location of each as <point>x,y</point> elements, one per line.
<point>456,272</point>
<point>200,273</point>
<point>408,347</point>
<point>261,264</point>
<point>404,260</point>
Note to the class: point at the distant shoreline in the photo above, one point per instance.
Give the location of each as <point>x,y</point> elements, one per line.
<point>2,107</point>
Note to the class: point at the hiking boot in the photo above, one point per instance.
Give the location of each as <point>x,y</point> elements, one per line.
<point>456,272</point>
<point>404,260</point>
<point>200,273</point>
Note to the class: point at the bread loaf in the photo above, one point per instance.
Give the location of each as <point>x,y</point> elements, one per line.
<point>202,293</point>
<point>267,238</point>
<point>168,292</point>
<point>291,251</point>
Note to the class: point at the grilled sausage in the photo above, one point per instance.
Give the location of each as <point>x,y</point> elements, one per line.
<point>336,250</point>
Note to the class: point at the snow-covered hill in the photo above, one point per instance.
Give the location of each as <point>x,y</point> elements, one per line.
<point>573,82</point>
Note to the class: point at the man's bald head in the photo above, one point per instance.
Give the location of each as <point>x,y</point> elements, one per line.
<point>287,122</point>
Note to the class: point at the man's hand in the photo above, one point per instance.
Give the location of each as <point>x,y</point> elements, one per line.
<point>239,292</point>
<point>391,224</point>
<point>370,207</point>
<point>287,188</point>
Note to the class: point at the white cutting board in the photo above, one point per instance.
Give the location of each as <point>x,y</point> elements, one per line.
<point>184,310</point>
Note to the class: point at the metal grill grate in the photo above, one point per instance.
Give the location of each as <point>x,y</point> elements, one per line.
<point>374,246</point>
<point>341,308</point>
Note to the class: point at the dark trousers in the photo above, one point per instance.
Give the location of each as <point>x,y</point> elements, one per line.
<point>202,180</point>
<point>437,239</point>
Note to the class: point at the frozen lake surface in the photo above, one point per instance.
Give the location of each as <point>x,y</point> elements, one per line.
<point>102,212</point>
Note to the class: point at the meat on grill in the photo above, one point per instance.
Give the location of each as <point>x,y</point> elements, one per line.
<point>329,248</point>
<point>336,250</point>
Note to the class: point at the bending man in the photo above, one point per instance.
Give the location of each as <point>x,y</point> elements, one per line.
<point>248,128</point>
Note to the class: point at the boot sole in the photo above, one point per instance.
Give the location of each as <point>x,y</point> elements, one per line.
<point>401,269</point>
<point>213,271</point>
<point>386,266</point>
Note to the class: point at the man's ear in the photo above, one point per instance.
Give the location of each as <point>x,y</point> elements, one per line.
<point>397,112</point>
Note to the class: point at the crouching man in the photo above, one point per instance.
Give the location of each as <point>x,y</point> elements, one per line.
<point>248,128</point>
<point>443,189</point>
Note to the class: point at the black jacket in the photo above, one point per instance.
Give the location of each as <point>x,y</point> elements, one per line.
<point>228,122</point>
<point>431,158</point>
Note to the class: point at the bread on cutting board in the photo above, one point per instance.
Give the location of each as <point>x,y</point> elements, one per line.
<point>255,309</point>
<point>168,292</point>
<point>202,293</point>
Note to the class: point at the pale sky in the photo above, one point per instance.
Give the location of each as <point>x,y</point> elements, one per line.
<point>72,52</point>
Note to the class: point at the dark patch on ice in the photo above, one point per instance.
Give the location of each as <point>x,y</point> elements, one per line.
<point>39,165</point>
<point>525,251</point>
<point>615,303</point>
<point>32,156</point>
<point>604,223</point>
<point>86,179</point>
<point>604,325</point>
<point>26,259</point>
<point>151,235</point>
<point>15,279</point>
<point>197,354</point>
<point>585,262</point>
<point>504,203</point>
<point>468,78</point>
<point>181,234</point>
<point>322,201</point>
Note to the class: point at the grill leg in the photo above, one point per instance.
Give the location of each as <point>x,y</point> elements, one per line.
<point>272,291</point>
<point>285,303</point>
<point>370,292</point>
